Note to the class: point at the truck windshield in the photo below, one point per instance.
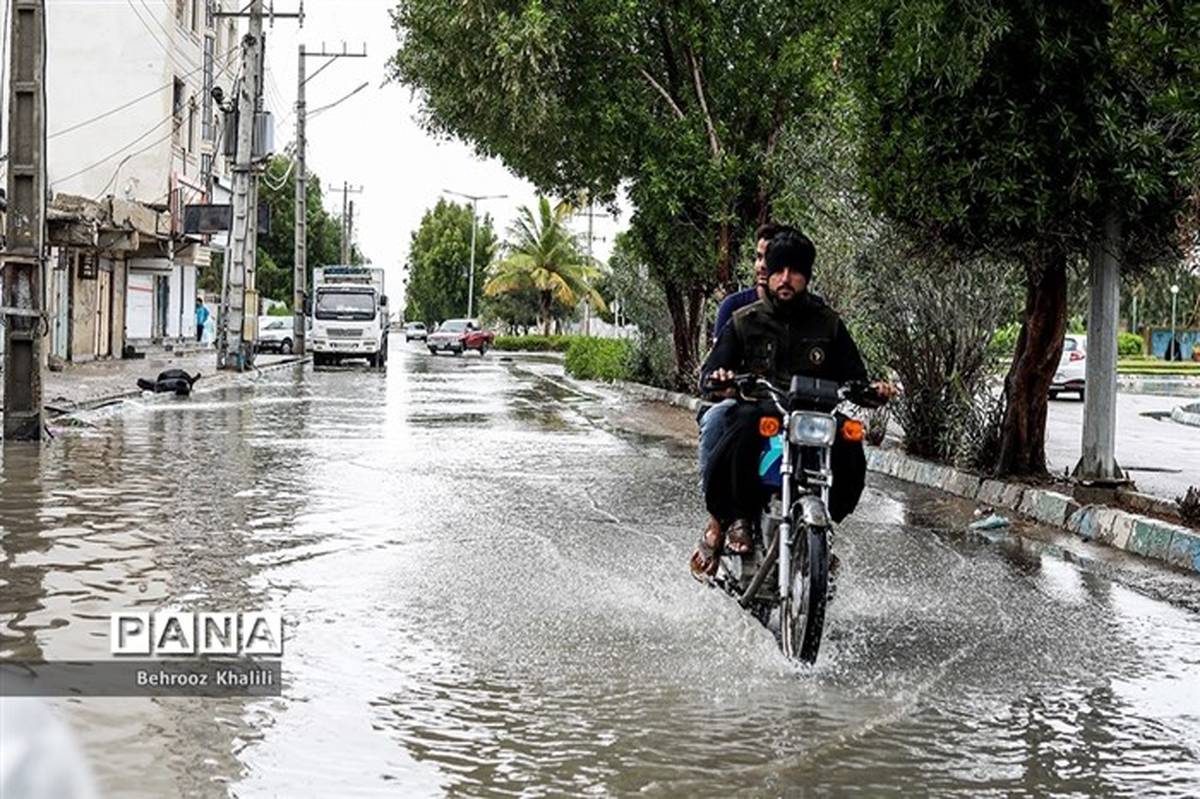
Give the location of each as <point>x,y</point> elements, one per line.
<point>345,305</point>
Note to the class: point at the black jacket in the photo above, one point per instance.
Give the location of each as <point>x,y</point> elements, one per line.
<point>777,340</point>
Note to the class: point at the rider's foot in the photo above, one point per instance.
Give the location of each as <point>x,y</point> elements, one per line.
<point>703,562</point>
<point>737,538</point>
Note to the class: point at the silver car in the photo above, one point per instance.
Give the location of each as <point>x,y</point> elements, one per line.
<point>415,330</point>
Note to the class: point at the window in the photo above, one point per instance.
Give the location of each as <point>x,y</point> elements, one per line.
<point>348,305</point>
<point>177,101</point>
<point>180,10</point>
<point>207,101</point>
<point>191,128</point>
<point>196,16</point>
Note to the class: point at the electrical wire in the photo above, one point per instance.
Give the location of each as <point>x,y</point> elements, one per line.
<point>113,155</point>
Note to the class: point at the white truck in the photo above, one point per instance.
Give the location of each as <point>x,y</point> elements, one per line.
<point>349,316</point>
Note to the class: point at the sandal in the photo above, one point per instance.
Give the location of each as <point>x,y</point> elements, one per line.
<point>737,539</point>
<point>703,562</point>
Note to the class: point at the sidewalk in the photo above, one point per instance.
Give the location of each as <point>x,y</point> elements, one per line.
<point>86,384</point>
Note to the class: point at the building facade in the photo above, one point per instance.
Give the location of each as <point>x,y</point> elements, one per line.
<point>131,121</point>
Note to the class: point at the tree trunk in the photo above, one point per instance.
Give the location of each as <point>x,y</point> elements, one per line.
<point>725,257</point>
<point>687,317</point>
<point>544,307</point>
<point>1027,387</point>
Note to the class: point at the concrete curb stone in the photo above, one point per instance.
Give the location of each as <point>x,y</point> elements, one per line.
<point>1116,527</point>
<point>1182,415</point>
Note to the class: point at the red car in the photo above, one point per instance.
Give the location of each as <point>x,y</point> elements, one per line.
<point>459,335</point>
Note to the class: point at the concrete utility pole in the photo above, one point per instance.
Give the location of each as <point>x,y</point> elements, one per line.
<point>26,224</point>
<point>300,258</point>
<point>587,305</point>
<point>350,234</point>
<point>1098,465</point>
<point>239,298</point>
<point>346,190</point>
<point>474,198</point>
<point>1174,307</point>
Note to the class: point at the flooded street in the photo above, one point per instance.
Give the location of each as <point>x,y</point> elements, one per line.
<point>485,593</point>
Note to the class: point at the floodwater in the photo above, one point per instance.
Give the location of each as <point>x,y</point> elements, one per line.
<point>485,594</point>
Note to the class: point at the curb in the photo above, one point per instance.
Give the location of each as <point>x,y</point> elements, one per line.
<point>1178,386</point>
<point>1142,535</point>
<point>67,408</point>
<point>1132,532</point>
<point>1185,415</point>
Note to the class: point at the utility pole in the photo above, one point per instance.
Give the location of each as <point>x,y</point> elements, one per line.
<point>239,301</point>
<point>26,224</point>
<point>587,305</point>
<point>300,257</point>
<point>474,198</point>
<point>1098,465</point>
<point>346,189</point>
<point>350,235</point>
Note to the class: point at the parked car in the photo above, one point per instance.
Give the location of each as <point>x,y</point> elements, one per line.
<point>1070,376</point>
<point>274,334</point>
<point>458,335</point>
<point>415,330</point>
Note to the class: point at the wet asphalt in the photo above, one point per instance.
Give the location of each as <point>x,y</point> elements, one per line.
<point>482,570</point>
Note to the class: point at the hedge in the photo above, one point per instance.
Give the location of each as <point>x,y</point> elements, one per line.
<point>532,343</point>
<point>599,359</point>
<point>1130,344</point>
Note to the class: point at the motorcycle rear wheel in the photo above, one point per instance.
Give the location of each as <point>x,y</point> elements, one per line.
<point>802,612</point>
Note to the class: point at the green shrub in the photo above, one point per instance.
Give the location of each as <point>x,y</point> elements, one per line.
<point>1130,345</point>
<point>532,343</point>
<point>279,310</point>
<point>1004,340</point>
<point>599,359</point>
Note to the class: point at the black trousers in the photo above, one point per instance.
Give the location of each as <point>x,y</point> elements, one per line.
<point>732,489</point>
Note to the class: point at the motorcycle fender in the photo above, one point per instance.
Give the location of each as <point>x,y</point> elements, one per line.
<point>813,511</point>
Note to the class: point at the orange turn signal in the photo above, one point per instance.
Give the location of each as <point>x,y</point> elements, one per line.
<point>853,430</point>
<point>768,426</point>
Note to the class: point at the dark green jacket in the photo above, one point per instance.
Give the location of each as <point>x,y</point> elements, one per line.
<point>778,340</point>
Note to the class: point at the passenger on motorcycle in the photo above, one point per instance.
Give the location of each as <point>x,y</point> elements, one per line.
<point>788,332</point>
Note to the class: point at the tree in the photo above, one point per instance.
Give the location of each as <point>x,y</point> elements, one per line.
<point>544,256</point>
<point>438,261</point>
<point>682,103</point>
<point>1024,129</point>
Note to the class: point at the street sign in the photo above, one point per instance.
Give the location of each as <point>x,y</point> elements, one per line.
<point>199,219</point>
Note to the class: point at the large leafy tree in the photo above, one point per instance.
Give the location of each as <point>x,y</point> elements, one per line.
<point>543,256</point>
<point>680,102</point>
<point>439,258</point>
<point>1035,131</point>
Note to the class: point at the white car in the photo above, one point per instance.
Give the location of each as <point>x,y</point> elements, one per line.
<point>1072,366</point>
<point>275,334</point>
<point>415,330</point>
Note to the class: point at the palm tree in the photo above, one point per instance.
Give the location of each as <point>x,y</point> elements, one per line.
<point>543,255</point>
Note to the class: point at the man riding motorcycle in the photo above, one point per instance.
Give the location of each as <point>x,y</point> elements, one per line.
<point>788,332</point>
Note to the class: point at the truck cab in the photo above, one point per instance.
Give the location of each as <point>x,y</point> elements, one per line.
<point>349,316</point>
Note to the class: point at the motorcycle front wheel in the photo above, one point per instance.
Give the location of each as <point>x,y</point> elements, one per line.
<point>802,612</point>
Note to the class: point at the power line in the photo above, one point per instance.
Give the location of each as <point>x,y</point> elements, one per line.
<point>113,155</point>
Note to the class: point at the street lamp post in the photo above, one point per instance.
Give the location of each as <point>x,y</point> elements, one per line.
<point>474,198</point>
<point>1174,302</point>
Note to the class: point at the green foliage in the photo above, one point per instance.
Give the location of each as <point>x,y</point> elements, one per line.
<point>532,343</point>
<point>1130,345</point>
<point>276,250</point>
<point>599,359</point>
<point>680,103</point>
<point>543,257</point>
<point>279,310</point>
<point>438,260</point>
<point>1004,342</point>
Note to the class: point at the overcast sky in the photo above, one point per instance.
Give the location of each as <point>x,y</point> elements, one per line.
<point>373,139</point>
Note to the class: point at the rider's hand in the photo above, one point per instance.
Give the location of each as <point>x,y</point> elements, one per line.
<point>885,389</point>
<point>722,376</point>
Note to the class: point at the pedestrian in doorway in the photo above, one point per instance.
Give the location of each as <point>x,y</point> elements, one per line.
<point>201,318</point>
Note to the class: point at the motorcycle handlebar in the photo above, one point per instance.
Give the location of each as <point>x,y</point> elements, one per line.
<point>860,392</point>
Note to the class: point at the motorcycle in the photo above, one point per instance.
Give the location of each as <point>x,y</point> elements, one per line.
<point>784,579</point>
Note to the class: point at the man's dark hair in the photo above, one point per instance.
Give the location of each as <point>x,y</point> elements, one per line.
<point>768,231</point>
<point>791,248</point>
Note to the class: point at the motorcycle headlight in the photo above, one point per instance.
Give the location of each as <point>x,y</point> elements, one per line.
<point>812,429</point>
